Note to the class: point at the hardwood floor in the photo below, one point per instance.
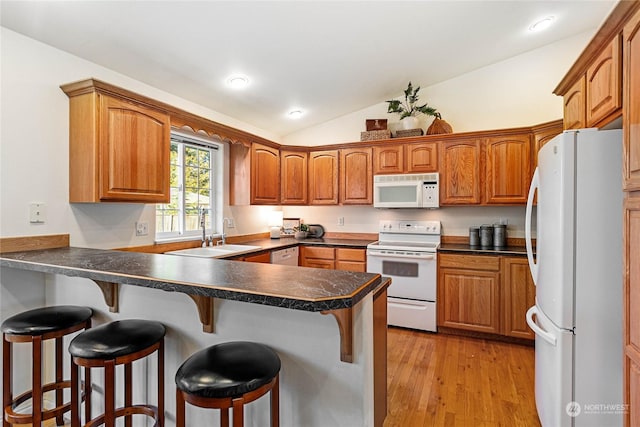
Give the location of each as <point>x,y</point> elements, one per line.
<point>445,380</point>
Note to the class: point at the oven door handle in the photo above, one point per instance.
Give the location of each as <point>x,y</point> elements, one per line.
<point>424,257</point>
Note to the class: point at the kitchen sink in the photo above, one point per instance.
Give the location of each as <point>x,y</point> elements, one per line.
<point>214,251</point>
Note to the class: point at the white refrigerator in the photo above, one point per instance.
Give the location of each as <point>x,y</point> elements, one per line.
<point>577,269</point>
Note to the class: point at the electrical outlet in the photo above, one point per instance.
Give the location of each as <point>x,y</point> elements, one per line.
<point>341,220</point>
<point>504,221</point>
<point>230,222</point>
<point>142,228</point>
<point>37,213</point>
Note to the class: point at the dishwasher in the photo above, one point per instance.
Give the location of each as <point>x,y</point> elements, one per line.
<point>287,256</point>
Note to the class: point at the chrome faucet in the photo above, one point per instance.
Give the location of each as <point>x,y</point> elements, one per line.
<point>203,225</point>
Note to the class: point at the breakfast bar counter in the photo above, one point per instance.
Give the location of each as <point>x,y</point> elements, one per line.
<point>332,374</point>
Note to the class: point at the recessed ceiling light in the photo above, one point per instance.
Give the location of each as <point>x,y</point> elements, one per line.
<point>295,114</point>
<point>542,24</point>
<point>238,81</point>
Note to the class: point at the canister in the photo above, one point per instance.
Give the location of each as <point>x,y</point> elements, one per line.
<point>474,236</point>
<point>486,235</point>
<point>499,235</point>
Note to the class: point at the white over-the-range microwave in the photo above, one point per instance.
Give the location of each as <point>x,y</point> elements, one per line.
<point>406,191</point>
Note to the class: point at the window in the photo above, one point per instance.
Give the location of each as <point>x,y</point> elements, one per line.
<point>195,173</point>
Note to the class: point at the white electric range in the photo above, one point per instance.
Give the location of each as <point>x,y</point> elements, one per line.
<point>406,252</point>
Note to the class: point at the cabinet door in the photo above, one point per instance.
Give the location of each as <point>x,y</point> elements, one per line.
<point>469,299</point>
<point>323,177</point>
<point>265,175</point>
<point>264,258</point>
<point>294,178</point>
<point>134,152</point>
<point>631,293</point>
<point>574,106</point>
<point>541,136</point>
<point>388,159</point>
<point>460,173</point>
<point>508,169</point>
<point>631,117</point>
<point>519,293</point>
<point>604,86</point>
<point>356,176</point>
<point>351,259</point>
<point>421,157</point>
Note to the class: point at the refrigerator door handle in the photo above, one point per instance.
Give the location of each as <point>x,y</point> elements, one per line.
<point>547,336</point>
<point>535,185</point>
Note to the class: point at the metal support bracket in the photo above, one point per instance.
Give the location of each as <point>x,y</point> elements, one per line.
<point>110,293</point>
<point>344,317</point>
<point>205,311</point>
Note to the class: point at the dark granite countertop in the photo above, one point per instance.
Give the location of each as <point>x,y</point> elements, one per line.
<point>462,248</point>
<point>298,288</point>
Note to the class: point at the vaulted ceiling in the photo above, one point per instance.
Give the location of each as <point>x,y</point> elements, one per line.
<point>326,58</point>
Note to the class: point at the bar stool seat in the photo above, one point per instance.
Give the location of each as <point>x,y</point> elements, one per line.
<point>118,343</point>
<point>227,376</point>
<point>36,326</point>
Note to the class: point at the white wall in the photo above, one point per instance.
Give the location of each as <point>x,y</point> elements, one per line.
<point>34,149</point>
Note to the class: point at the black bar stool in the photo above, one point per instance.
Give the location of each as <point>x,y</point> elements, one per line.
<point>227,376</point>
<point>106,346</point>
<point>35,327</point>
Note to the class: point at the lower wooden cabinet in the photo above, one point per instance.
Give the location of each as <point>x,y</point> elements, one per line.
<point>264,258</point>
<point>518,294</point>
<point>468,292</point>
<point>317,257</point>
<point>485,293</point>
<point>349,259</point>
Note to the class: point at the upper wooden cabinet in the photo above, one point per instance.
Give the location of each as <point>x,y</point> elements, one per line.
<point>603,85</point>
<point>356,176</point>
<point>323,177</point>
<point>265,175</point>
<point>118,150</point>
<point>631,117</point>
<point>422,157</point>
<point>293,167</point>
<point>388,159</point>
<point>541,135</point>
<point>460,173</point>
<point>408,158</point>
<point>574,106</point>
<point>508,169</point>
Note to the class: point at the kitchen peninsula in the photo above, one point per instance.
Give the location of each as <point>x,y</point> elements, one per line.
<point>273,304</point>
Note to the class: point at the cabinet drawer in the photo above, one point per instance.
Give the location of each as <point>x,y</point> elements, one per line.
<point>343,254</point>
<point>318,252</point>
<point>475,262</point>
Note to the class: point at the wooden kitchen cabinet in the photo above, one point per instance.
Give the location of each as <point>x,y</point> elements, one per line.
<point>265,175</point>
<point>603,85</point>
<point>460,173</point>
<point>575,105</point>
<point>317,257</point>
<point>469,292</point>
<point>508,169</point>
<point>356,176</point>
<point>422,157</point>
<point>118,149</point>
<point>631,116</point>
<point>264,258</point>
<point>388,159</point>
<point>351,259</point>
<point>541,135</point>
<point>293,176</point>
<point>518,294</point>
<point>323,177</point>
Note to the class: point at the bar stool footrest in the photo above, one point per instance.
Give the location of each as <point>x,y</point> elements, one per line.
<point>17,418</point>
<point>148,410</point>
